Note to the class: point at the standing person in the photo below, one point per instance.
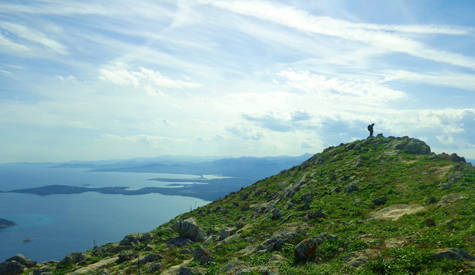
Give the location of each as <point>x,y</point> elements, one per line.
<point>370,129</point>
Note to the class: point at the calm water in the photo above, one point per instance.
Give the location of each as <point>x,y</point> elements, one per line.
<point>61,224</point>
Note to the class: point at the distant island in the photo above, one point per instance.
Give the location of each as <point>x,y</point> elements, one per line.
<point>6,223</point>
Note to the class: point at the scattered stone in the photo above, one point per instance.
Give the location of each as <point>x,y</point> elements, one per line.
<point>352,187</point>
<point>22,260</point>
<point>449,199</point>
<point>451,254</point>
<point>380,201</point>
<point>431,200</point>
<point>304,207</point>
<point>42,270</point>
<point>202,254</point>
<point>358,259</point>
<point>430,222</point>
<point>277,214</point>
<point>316,214</point>
<point>188,228</point>
<point>237,267</point>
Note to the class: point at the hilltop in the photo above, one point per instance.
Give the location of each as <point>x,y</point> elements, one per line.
<point>374,206</point>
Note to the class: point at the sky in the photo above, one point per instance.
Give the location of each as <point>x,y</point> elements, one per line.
<point>94,80</point>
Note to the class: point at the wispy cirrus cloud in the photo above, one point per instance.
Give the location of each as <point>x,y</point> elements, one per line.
<point>145,78</point>
<point>371,34</point>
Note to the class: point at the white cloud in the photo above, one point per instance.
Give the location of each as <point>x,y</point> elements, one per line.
<point>148,79</point>
<point>372,34</point>
<point>367,91</point>
<point>449,79</point>
<point>34,36</point>
<point>12,45</point>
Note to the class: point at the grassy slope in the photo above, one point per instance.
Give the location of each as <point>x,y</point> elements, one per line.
<point>380,171</point>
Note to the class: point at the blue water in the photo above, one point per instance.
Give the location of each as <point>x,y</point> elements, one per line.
<point>61,224</point>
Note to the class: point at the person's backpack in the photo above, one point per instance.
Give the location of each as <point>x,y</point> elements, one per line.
<point>369,127</point>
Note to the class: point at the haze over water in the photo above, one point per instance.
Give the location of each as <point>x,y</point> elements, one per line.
<point>61,224</point>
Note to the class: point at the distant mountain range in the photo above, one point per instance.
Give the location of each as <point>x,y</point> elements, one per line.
<point>243,167</point>
<point>237,173</point>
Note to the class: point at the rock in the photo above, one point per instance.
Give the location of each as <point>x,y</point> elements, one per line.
<point>430,222</point>
<point>431,200</point>
<point>380,201</point>
<point>179,241</point>
<point>42,270</point>
<point>22,260</point>
<point>152,257</point>
<point>336,189</point>
<point>279,237</point>
<point>456,158</point>
<point>449,199</point>
<point>188,228</point>
<point>244,208</point>
<point>352,187</point>
<point>126,256</point>
<point>190,271</point>
<point>417,147</point>
<point>277,259</point>
<point>306,249</point>
<point>202,254</point>
<point>226,232</point>
<point>357,147</point>
<point>73,258</point>
<point>358,259</point>
<point>277,214</point>
<point>131,239</point>
<point>267,207</point>
<point>154,268</point>
<point>395,211</point>
<point>451,254</point>
<point>316,214</point>
<point>304,207</point>
<point>237,267</point>
<point>11,268</point>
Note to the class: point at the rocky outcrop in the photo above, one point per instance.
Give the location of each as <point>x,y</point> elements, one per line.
<point>202,254</point>
<point>395,211</point>
<point>359,258</point>
<point>451,254</point>
<point>72,258</point>
<point>188,228</point>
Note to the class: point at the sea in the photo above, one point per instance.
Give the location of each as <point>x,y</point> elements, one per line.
<point>62,224</point>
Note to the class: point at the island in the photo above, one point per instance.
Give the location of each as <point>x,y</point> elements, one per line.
<point>27,240</point>
<point>6,223</point>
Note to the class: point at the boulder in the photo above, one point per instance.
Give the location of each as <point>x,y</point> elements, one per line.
<point>417,147</point>
<point>74,258</point>
<point>125,256</point>
<point>202,254</point>
<point>43,270</point>
<point>188,228</point>
<point>22,260</point>
<point>316,214</point>
<point>352,187</point>
<point>451,254</point>
<point>226,232</point>
<point>279,237</point>
<point>237,267</point>
<point>277,214</point>
<point>11,268</point>
<point>152,257</point>
<point>380,201</point>
<point>306,249</point>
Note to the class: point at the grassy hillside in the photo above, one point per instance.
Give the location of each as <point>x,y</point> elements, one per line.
<point>373,206</point>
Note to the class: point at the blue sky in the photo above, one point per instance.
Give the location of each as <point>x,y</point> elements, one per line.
<point>91,80</point>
